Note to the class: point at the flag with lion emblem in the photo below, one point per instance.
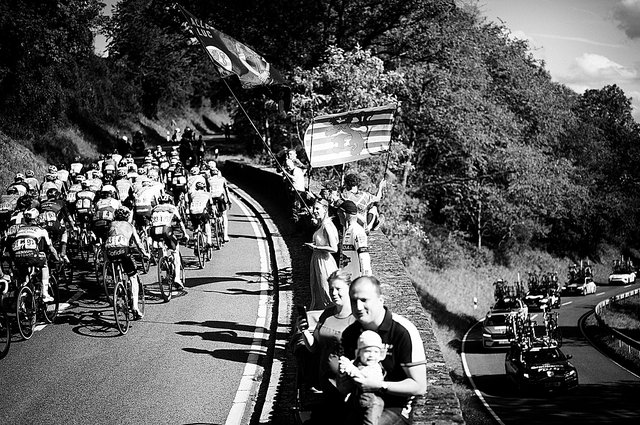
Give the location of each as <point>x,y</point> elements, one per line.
<point>349,136</point>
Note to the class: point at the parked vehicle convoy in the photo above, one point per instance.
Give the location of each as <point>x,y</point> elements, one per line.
<point>624,272</point>
<point>580,280</point>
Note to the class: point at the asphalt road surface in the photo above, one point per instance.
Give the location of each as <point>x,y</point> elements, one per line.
<point>607,394</point>
<point>182,364</point>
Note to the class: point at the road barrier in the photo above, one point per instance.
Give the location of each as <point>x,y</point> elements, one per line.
<point>624,342</point>
<point>440,405</point>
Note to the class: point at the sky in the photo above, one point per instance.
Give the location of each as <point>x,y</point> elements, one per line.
<point>586,44</point>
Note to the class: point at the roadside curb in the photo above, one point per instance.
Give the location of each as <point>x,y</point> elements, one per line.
<point>268,375</point>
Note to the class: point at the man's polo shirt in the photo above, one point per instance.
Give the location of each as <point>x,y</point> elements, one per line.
<point>404,349</point>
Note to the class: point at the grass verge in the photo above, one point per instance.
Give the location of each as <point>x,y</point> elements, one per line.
<point>608,345</point>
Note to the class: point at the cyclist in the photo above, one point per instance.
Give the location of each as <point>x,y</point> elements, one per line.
<point>220,196</point>
<point>194,178</point>
<point>109,166</point>
<point>120,233</point>
<point>55,219</point>
<point>63,176</point>
<point>8,204</point>
<point>76,166</point>
<point>19,184</point>
<point>200,209</point>
<point>145,199</point>
<point>124,187</point>
<point>105,209</point>
<point>31,180</point>
<point>116,157</point>
<point>85,206</point>
<point>163,219</point>
<point>27,249</point>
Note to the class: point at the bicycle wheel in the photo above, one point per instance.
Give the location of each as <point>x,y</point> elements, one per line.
<point>145,262</point>
<point>26,312</point>
<point>50,309</point>
<point>85,247</point>
<point>121,309</point>
<point>109,279</point>
<point>199,249</point>
<point>215,234</point>
<point>182,274</point>
<point>141,296</point>
<point>165,280</point>
<point>5,334</point>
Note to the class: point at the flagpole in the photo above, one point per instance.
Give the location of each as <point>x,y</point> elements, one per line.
<point>273,157</point>
<point>313,120</point>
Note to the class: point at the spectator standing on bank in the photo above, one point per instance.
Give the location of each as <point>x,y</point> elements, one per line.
<point>405,362</point>
<point>368,214</point>
<point>354,248</point>
<point>325,342</point>
<point>200,150</point>
<point>325,243</point>
<point>299,189</point>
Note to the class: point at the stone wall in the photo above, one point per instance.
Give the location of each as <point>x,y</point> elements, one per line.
<point>440,405</point>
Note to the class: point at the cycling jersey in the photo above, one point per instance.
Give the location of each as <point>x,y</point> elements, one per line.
<point>146,199</point>
<point>200,202</point>
<point>118,239</point>
<point>217,185</point>
<point>105,209</point>
<point>124,188</point>
<point>33,183</point>
<point>163,218</point>
<point>52,218</point>
<point>8,204</point>
<point>193,180</point>
<point>45,188</point>
<point>22,188</point>
<point>28,246</point>
<point>76,167</point>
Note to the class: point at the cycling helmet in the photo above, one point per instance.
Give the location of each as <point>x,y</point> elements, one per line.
<point>12,190</point>
<point>125,138</point>
<point>109,189</point>
<point>101,157</point>
<point>24,203</point>
<point>51,177</point>
<point>200,186</point>
<point>29,173</point>
<point>53,193</point>
<point>195,171</point>
<point>165,199</point>
<point>214,171</point>
<point>80,178</point>
<point>212,164</point>
<point>31,214</point>
<point>128,156</point>
<point>142,171</point>
<point>85,184</point>
<point>173,161</point>
<point>121,172</point>
<point>52,169</point>
<point>121,214</point>
<point>19,177</point>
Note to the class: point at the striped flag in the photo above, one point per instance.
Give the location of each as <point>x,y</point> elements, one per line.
<point>349,136</point>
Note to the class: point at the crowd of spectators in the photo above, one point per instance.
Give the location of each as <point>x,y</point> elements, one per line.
<point>362,363</point>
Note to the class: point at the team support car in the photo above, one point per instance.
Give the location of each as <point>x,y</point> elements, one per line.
<point>547,298</point>
<point>582,287</point>
<point>623,273</point>
<point>495,328</point>
<point>622,278</point>
<point>541,367</point>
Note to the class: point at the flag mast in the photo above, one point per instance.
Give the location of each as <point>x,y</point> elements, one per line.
<point>264,142</point>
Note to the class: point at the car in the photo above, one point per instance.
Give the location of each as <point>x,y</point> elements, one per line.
<point>540,367</point>
<point>494,330</point>
<point>537,300</point>
<point>495,327</point>
<point>584,287</point>
<point>622,278</point>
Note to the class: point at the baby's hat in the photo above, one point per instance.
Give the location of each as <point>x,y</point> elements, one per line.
<point>369,339</point>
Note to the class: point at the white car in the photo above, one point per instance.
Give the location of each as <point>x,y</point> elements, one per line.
<point>622,278</point>
<point>588,286</point>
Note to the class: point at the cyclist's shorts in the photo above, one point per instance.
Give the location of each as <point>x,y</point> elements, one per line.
<point>101,230</point>
<point>164,233</point>
<point>122,254</point>
<point>85,217</point>
<point>29,258</point>
<point>196,219</point>
<point>142,219</point>
<point>221,203</point>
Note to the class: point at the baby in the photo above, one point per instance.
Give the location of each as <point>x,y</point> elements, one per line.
<point>369,354</point>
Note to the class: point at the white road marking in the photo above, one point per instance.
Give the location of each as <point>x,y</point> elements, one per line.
<point>567,303</point>
<point>473,384</point>
<point>533,317</point>
<point>626,286</point>
<point>599,293</point>
<point>243,394</point>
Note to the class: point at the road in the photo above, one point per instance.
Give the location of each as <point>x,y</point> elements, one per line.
<point>607,394</point>
<point>182,364</point>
